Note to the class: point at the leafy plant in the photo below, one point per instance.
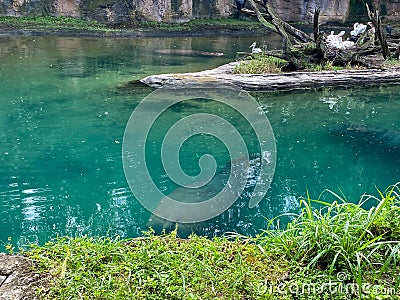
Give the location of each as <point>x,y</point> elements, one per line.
<point>342,236</point>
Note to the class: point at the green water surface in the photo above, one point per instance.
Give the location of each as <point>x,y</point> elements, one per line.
<point>64,105</point>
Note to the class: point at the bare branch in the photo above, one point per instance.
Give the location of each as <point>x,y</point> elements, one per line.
<point>294,32</point>
<point>376,21</point>
<point>316,23</point>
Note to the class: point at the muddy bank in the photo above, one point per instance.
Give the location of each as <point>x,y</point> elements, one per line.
<point>224,75</point>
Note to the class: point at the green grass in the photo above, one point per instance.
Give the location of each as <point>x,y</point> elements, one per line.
<point>391,62</point>
<point>41,22</point>
<point>344,237</point>
<point>198,25</point>
<point>260,64</point>
<point>50,22</point>
<point>335,250</point>
<point>156,268</point>
<point>328,66</point>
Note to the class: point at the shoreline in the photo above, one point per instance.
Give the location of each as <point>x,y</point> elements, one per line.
<point>224,75</point>
<point>127,33</point>
<point>260,267</point>
<point>60,26</point>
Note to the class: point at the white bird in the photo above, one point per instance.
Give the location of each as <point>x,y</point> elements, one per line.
<point>254,49</point>
<point>336,41</point>
<point>358,29</point>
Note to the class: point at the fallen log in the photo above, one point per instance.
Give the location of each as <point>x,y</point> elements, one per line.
<point>224,75</point>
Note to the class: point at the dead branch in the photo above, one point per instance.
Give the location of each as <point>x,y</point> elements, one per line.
<point>316,24</point>
<point>320,49</point>
<point>294,32</point>
<point>376,21</point>
<point>276,25</point>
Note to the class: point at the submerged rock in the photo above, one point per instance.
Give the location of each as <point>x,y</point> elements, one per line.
<point>188,52</point>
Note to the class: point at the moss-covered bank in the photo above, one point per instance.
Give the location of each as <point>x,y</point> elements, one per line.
<point>78,27</point>
<point>339,251</point>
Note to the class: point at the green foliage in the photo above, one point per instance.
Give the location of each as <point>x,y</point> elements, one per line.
<point>202,24</point>
<point>328,66</point>
<point>9,246</point>
<point>75,23</point>
<point>260,64</point>
<point>392,62</point>
<point>50,22</point>
<point>337,250</point>
<point>155,268</point>
<point>342,236</point>
<point>264,64</point>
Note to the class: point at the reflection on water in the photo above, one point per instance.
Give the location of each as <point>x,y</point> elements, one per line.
<point>65,103</point>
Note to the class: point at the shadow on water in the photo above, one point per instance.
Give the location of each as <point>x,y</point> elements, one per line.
<point>382,143</point>
<point>218,224</point>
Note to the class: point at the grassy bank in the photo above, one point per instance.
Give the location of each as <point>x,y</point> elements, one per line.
<point>337,251</point>
<point>49,23</point>
<point>58,23</point>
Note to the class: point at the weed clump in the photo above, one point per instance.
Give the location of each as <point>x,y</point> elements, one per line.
<point>260,64</point>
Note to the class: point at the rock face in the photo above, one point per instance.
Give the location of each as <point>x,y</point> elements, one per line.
<point>119,11</point>
<point>18,280</point>
<point>21,7</point>
<point>302,10</point>
<point>67,8</point>
<point>390,8</point>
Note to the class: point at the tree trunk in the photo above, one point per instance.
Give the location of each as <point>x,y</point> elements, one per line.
<point>316,24</point>
<point>376,21</point>
<point>276,24</point>
<point>294,32</point>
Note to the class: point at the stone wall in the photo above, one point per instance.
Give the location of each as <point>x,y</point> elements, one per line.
<point>117,11</point>
<point>302,10</point>
<point>390,8</point>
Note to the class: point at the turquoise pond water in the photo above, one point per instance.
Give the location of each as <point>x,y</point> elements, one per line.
<point>64,105</point>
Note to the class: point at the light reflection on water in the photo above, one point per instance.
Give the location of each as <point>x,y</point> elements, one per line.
<point>64,106</point>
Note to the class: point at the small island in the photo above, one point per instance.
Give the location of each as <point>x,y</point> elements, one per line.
<point>366,58</point>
